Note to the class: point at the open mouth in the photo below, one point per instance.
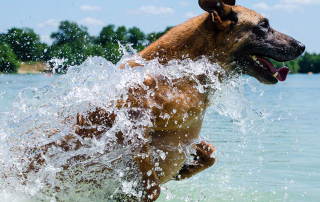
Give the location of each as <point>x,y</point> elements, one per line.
<point>266,65</point>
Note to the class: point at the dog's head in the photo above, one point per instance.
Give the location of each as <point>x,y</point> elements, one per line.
<point>248,42</point>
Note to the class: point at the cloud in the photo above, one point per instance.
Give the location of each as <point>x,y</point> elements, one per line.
<point>51,22</point>
<point>183,3</point>
<point>304,2</point>
<point>266,15</point>
<point>90,8</point>
<point>46,39</point>
<point>190,15</point>
<point>261,6</point>
<point>153,10</point>
<point>285,5</point>
<point>91,21</point>
<point>289,8</point>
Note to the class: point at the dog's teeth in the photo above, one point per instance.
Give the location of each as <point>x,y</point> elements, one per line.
<point>275,75</point>
<point>254,58</point>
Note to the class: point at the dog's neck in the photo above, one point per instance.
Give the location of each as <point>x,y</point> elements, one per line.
<point>191,39</point>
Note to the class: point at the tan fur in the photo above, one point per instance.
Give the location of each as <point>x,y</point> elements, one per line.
<point>216,37</point>
<point>201,37</point>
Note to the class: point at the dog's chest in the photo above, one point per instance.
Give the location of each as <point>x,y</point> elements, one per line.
<point>175,106</point>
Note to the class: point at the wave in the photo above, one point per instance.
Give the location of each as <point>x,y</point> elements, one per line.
<point>47,115</point>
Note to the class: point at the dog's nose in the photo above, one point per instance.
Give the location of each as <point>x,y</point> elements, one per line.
<point>301,48</point>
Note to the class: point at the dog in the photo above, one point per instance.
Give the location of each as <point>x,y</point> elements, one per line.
<point>240,40</point>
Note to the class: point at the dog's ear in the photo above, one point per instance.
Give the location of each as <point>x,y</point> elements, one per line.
<point>230,2</point>
<point>221,11</point>
<point>222,7</point>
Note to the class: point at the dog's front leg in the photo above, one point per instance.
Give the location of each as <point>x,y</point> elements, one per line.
<point>150,180</point>
<point>203,159</point>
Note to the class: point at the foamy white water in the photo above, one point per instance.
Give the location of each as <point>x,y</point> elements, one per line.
<point>98,83</point>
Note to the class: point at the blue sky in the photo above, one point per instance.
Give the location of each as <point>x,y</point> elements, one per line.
<point>298,18</point>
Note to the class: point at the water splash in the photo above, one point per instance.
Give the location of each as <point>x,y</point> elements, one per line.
<point>47,115</point>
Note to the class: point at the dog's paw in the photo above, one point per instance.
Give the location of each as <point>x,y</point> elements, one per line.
<point>205,154</point>
<point>203,159</point>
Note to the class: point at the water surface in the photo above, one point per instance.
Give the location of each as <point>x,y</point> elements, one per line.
<point>275,158</point>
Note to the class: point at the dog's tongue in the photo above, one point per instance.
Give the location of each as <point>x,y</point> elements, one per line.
<point>282,73</point>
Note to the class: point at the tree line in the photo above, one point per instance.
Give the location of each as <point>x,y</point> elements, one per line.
<point>71,42</point>
<point>74,44</point>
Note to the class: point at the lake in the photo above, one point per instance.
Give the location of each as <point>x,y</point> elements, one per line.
<point>270,159</point>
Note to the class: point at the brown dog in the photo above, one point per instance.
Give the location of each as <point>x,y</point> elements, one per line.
<point>239,40</point>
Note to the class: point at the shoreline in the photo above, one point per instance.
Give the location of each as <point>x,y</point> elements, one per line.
<point>42,68</point>
<point>33,68</point>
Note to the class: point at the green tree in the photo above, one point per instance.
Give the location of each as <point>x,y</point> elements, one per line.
<point>121,35</point>
<point>310,63</point>
<point>112,52</point>
<point>137,38</point>
<point>70,32</point>
<point>25,44</point>
<point>74,53</point>
<point>107,35</point>
<point>8,59</point>
<point>109,39</point>
<point>3,37</point>
<point>73,44</point>
<point>293,65</point>
<point>304,64</point>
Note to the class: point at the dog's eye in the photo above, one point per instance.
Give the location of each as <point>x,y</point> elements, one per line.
<point>262,28</point>
<point>264,24</point>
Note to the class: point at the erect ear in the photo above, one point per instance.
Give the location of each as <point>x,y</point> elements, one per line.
<point>222,7</point>
<point>221,10</point>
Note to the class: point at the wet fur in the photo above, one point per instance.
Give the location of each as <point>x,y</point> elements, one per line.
<point>224,36</point>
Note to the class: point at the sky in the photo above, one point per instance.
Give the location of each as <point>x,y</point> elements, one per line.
<point>297,18</point>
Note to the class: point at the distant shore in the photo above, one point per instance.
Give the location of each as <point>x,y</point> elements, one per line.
<point>32,68</point>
